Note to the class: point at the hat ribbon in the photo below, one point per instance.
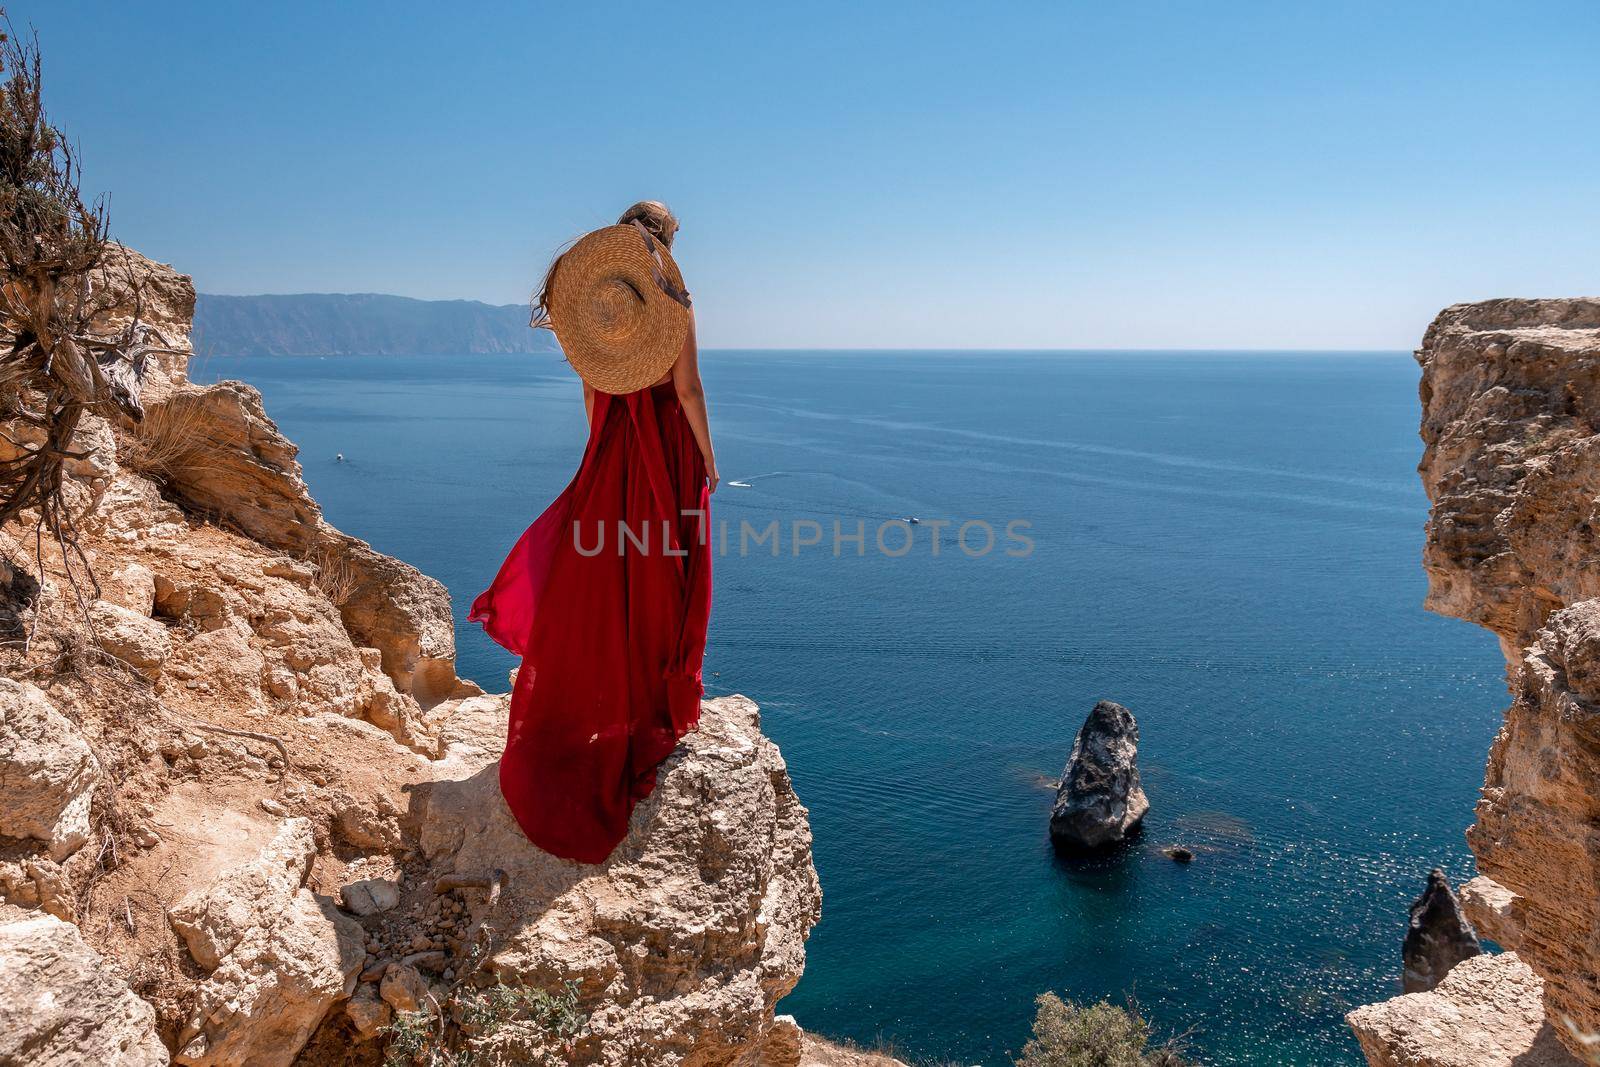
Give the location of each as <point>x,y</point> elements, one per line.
<point>680,295</point>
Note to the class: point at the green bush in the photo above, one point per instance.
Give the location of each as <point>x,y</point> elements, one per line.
<point>482,1027</point>
<point>1069,1034</point>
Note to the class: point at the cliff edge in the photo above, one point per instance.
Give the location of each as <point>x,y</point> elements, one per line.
<point>249,813</point>
<point>1511,431</point>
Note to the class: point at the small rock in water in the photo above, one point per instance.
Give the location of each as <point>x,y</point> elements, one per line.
<point>1100,801</point>
<point>1178,854</point>
<point>1438,936</point>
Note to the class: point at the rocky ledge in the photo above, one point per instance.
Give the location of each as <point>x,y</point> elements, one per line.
<point>249,815</point>
<point>1511,432</point>
<point>1486,1013</point>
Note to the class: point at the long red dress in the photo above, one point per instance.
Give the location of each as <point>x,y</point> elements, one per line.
<point>606,598</point>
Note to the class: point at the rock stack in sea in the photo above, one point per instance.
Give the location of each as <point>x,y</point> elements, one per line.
<point>252,813</point>
<point>1100,802</point>
<point>1437,938</point>
<point>1511,428</point>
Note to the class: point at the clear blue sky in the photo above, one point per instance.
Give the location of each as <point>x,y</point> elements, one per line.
<point>867,174</point>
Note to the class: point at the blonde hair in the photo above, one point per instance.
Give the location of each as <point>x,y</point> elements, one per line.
<point>653,215</point>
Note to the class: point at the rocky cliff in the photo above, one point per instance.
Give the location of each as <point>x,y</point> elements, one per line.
<point>249,815</point>
<point>1511,432</point>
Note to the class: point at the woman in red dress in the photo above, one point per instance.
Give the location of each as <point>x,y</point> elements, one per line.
<point>607,595</point>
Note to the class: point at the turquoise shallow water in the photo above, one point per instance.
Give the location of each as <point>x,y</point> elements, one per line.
<point>1226,543</point>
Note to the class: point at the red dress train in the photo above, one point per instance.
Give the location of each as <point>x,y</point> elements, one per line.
<point>606,598</point>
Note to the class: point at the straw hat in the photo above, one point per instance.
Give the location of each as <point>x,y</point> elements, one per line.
<point>619,308</point>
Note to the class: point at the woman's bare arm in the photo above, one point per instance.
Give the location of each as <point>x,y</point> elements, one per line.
<point>692,398</point>
<point>588,402</point>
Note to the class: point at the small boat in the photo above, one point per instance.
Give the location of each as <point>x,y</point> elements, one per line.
<point>912,520</point>
<point>338,457</point>
<point>740,485</point>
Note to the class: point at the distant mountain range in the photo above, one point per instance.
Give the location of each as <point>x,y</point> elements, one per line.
<point>364,324</point>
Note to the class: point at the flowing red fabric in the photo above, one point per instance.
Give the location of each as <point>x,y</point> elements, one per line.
<point>606,598</point>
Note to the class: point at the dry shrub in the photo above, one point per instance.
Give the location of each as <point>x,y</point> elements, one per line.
<point>53,367</point>
<point>169,439</point>
<point>335,577</point>
<point>164,979</point>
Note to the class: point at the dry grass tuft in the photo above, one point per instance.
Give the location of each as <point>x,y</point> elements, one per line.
<point>169,439</point>
<point>335,577</point>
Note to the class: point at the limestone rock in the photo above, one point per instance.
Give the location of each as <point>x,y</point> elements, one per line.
<point>251,474</point>
<point>367,822</point>
<point>368,1012</point>
<point>686,937</point>
<point>1534,834</point>
<point>131,586</point>
<point>470,729</point>
<point>403,988</point>
<point>39,883</point>
<point>97,462</point>
<point>47,772</point>
<point>62,1006</point>
<point>1492,909</point>
<point>133,510</point>
<point>1438,936</point>
<point>785,1043</point>
<point>404,614</point>
<point>395,712</point>
<point>370,896</point>
<point>279,957</point>
<point>1100,801</point>
<point>214,921</point>
<point>1509,401</point>
<point>1486,1013</point>
<point>1511,406</point>
<point>196,603</point>
<point>137,640</point>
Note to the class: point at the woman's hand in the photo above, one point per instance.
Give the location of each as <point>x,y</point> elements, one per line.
<point>711,474</point>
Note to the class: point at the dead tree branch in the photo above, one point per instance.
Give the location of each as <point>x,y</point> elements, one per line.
<point>53,367</point>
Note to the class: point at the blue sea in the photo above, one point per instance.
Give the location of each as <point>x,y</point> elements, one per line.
<point>1228,544</point>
